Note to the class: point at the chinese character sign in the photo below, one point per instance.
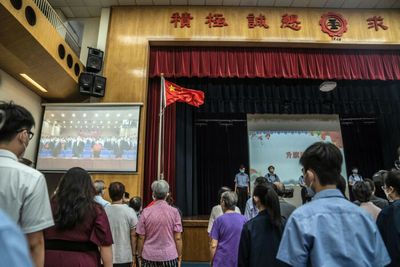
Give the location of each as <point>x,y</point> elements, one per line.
<point>290,21</point>
<point>253,21</point>
<point>216,20</point>
<point>184,19</point>
<point>376,22</point>
<point>333,24</point>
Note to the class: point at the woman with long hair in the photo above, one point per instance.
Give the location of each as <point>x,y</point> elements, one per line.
<point>81,235</point>
<point>263,232</point>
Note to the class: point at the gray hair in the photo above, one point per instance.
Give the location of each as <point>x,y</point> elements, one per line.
<point>160,189</point>
<point>230,199</point>
<point>99,186</point>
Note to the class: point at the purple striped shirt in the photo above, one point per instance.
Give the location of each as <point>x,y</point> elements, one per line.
<point>158,224</point>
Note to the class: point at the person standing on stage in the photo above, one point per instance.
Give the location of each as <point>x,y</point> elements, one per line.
<point>306,193</point>
<point>354,178</point>
<point>242,187</point>
<point>271,176</point>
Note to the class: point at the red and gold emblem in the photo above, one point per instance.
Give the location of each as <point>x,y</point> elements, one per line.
<point>334,24</point>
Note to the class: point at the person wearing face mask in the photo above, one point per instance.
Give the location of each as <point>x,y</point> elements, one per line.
<point>271,176</point>
<point>23,190</point>
<point>389,218</point>
<point>242,188</point>
<point>354,177</point>
<point>330,231</point>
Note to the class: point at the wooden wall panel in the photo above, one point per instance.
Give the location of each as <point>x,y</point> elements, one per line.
<point>132,29</point>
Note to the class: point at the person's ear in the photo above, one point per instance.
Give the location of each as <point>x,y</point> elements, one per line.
<point>309,176</point>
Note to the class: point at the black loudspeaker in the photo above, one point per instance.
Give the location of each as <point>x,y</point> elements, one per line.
<point>92,84</point>
<point>86,83</point>
<point>99,86</point>
<point>94,60</point>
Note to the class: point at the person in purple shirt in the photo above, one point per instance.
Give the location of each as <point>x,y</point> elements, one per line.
<point>225,233</point>
<point>159,229</point>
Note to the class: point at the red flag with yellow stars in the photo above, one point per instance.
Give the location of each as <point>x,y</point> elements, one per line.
<point>176,93</point>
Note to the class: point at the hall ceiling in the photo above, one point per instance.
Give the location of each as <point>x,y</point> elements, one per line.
<point>92,8</point>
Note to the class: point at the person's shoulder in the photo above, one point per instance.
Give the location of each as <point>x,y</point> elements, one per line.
<point>26,171</point>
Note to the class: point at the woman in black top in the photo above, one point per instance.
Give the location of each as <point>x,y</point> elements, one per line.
<point>260,238</point>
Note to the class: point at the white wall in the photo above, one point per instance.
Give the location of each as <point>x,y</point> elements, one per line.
<point>90,36</point>
<point>11,89</point>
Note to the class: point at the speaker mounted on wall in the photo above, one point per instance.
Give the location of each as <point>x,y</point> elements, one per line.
<point>92,84</point>
<point>94,61</point>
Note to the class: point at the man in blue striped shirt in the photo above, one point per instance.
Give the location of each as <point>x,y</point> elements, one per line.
<point>329,230</point>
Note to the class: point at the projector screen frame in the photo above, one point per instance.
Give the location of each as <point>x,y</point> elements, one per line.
<point>83,104</point>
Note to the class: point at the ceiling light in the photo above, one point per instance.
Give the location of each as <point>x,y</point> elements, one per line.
<point>62,115</point>
<point>107,115</point>
<point>327,86</point>
<point>79,122</point>
<point>108,122</point>
<point>118,115</point>
<point>129,115</point>
<point>96,115</point>
<point>63,121</point>
<point>73,114</point>
<point>84,114</point>
<point>71,121</point>
<point>29,79</point>
<point>52,115</point>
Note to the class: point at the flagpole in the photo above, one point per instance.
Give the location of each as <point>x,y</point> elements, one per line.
<point>160,160</point>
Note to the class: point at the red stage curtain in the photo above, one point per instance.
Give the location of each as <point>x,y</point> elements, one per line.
<point>229,62</point>
<point>151,155</point>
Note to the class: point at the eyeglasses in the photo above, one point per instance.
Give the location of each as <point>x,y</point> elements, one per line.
<point>30,134</point>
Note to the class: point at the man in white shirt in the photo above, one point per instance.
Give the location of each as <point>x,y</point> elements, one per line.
<point>123,222</point>
<point>100,188</point>
<point>23,190</point>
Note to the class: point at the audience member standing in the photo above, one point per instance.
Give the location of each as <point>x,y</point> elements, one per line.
<point>123,221</point>
<point>217,209</point>
<point>23,190</point>
<point>159,230</point>
<point>286,208</point>
<point>379,202</point>
<point>100,190</point>
<point>242,187</point>
<point>225,233</point>
<point>271,176</point>
<point>81,234</point>
<point>389,219</point>
<point>136,204</point>
<point>362,193</point>
<point>330,231</point>
<point>306,192</point>
<point>251,210</point>
<point>263,233</point>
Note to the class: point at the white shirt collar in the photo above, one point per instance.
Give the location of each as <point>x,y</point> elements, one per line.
<point>8,154</point>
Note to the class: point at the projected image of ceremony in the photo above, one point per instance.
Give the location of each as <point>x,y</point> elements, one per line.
<point>95,138</point>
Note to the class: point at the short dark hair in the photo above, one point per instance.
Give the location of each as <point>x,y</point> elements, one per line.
<point>325,160</point>
<point>260,180</point>
<point>371,183</point>
<point>362,191</point>
<point>17,118</point>
<point>116,191</point>
<point>393,179</point>
<point>135,203</point>
<point>126,195</point>
<point>271,167</point>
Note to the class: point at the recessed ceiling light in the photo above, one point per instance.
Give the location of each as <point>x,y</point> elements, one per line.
<point>71,122</point>
<point>84,114</point>
<point>52,114</point>
<point>29,79</point>
<point>108,122</point>
<point>85,122</point>
<point>118,115</point>
<point>73,114</point>
<point>129,115</point>
<point>79,122</point>
<point>63,121</point>
<point>96,115</point>
<point>62,115</point>
<point>101,122</point>
<point>107,115</point>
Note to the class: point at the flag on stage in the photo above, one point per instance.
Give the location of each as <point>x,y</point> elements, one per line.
<point>175,93</point>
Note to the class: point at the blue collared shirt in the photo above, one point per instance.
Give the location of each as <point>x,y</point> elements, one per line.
<point>242,180</point>
<point>251,211</point>
<point>331,231</point>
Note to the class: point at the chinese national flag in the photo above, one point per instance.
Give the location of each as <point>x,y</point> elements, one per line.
<point>176,93</point>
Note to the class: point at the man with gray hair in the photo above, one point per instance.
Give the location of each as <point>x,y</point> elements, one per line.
<point>100,189</point>
<point>159,230</point>
<point>225,233</point>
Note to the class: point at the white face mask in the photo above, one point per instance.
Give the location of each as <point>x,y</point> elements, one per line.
<point>242,170</point>
<point>355,171</point>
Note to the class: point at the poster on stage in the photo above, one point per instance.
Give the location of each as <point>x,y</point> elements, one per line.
<point>96,137</point>
<point>280,140</point>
